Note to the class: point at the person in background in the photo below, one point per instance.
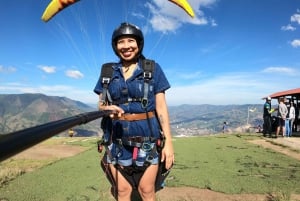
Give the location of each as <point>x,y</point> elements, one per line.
<point>296,122</point>
<point>281,115</point>
<point>259,128</point>
<point>292,115</point>
<point>225,127</point>
<point>287,120</point>
<point>267,126</point>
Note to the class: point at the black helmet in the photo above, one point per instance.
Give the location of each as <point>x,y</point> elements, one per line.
<point>127,29</point>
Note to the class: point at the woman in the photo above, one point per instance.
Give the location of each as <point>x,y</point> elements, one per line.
<point>134,127</point>
<point>292,115</point>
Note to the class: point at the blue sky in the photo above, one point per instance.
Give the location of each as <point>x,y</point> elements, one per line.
<point>232,52</point>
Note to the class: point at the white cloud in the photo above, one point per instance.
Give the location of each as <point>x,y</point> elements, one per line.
<point>55,88</point>
<point>187,76</point>
<point>23,88</point>
<point>164,23</point>
<point>168,17</point>
<point>75,93</point>
<point>48,69</point>
<point>296,43</point>
<point>213,23</point>
<point>288,28</point>
<point>74,74</point>
<point>15,88</point>
<point>280,70</point>
<point>234,88</point>
<point>295,18</point>
<point>220,90</point>
<point>9,69</point>
<point>138,15</point>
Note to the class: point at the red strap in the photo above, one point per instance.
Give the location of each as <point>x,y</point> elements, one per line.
<point>134,153</point>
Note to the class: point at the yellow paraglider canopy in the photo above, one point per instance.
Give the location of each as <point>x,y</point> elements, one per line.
<point>57,5</point>
<point>54,7</point>
<point>184,4</point>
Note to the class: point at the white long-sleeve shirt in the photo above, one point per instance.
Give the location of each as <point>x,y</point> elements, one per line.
<point>292,113</point>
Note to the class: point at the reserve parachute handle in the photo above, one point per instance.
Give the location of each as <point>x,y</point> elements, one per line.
<point>13,143</point>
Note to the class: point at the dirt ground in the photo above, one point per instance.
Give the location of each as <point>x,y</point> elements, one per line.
<point>43,151</point>
<point>195,194</point>
<point>282,145</point>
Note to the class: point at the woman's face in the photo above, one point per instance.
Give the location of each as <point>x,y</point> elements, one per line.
<point>127,48</point>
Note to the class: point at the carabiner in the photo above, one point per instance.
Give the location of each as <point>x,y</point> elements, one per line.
<point>146,146</point>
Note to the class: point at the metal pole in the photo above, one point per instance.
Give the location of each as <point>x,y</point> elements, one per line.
<point>13,143</point>
<point>248,116</point>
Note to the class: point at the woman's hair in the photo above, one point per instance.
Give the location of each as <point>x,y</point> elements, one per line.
<point>281,99</point>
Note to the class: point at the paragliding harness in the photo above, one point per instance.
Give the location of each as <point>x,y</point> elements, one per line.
<point>132,173</point>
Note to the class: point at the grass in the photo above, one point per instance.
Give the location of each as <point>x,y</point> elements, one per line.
<point>223,163</point>
<point>74,178</point>
<point>230,164</point>
<point>12,168</point>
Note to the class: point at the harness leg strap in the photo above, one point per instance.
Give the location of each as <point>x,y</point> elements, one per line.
<point>134,154</point>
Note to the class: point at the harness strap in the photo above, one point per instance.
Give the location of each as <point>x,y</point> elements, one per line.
<point>134,154</point>
<point>135,116</point>
<point>129,100</point>
<point>148,66</point>
<point>106,75</point>
<point>106,169</point>
<point>134,141</point>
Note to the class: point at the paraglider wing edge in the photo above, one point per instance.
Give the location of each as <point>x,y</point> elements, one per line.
<point>54,7</point>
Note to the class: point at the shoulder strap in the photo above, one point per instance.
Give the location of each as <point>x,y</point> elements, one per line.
<point>106,75</point>
<point>148,67</point>
<point>106,72</point>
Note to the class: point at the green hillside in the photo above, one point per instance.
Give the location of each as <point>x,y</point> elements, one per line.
<point>20,111</point>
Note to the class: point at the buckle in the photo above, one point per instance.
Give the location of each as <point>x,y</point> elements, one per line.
<point>147,75</point>
<point>146,146</point>
<point>144,102</point>
<point>137,139</point>
<point>105,80</point>
<point>119,141</point>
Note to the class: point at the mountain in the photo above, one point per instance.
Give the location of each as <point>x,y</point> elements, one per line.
<point>26,110</point>
<point>209,119</point>
<point>20,111</point>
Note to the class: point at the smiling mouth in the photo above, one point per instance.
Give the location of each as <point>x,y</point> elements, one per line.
<point>127,53</point>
